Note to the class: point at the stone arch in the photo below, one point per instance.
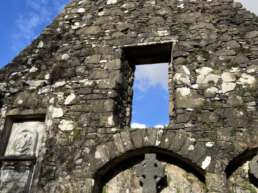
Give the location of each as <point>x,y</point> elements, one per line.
<point>239,160</point>
<point>237,172</point>
<point>128,148</point>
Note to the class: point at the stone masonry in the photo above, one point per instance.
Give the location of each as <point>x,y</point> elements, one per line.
<point>70,92</point>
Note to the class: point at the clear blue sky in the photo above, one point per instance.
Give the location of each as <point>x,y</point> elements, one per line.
<point>21,21</point>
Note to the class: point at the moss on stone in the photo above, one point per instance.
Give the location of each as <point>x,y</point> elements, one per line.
<point>248,186</point>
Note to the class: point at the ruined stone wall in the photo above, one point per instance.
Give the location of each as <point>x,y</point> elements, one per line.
<point>75,74</point>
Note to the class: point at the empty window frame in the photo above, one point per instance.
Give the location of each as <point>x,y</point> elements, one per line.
<point>22,137</point>
<point>138,61</point>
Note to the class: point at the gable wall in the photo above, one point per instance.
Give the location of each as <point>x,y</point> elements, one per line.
<point>75,74</point>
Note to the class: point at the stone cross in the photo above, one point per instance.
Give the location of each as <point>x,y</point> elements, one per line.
<point>150,171</point>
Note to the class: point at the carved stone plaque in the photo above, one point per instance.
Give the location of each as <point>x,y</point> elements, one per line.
<point>14,179</point>
<point>25,138</point>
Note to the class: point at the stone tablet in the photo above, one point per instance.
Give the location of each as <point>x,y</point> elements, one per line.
<point>25,138</point>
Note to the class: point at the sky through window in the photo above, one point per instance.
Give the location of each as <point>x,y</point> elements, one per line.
<point>150,98</point>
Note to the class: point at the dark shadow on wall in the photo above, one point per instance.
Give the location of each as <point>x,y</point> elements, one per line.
<point>133,157</point>
<point>1,99</point>
<point>238,161</point>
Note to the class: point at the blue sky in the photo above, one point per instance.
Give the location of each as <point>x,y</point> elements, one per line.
<point>150,99</point>
<point>251,5</point>
<point>21,21</point>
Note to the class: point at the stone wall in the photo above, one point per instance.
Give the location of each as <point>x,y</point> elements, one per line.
<point>75,74</point>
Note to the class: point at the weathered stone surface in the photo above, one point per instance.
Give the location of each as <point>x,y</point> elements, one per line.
<point>56,112</point>
<point>211,92</point>
<point>183,76</point>
<point>239,180</point>
<point>111,2</point>
<point>66,125</point>
<point>252,34</point>
<point>78,74</point>
<point>253,168</point>
<point>137,138</point>
<point>215,183</point>
<point>247,80</point>
<point>92,30</point>
<point>70,99</point>
<point>206,77</point>
<point>227,87</point>
<point>187,98</point>
<point>13,179</point>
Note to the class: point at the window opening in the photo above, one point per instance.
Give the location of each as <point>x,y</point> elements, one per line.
<point>150,106</point>
<point>145,99</point>
<point>19,151</point>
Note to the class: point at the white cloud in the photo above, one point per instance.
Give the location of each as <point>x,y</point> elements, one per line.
<point>159,126</point>
<point>138,125</point>
<point>143,126</point>
<point>151,75</point>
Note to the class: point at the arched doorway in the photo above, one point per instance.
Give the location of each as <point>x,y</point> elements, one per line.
<point>179,174</point>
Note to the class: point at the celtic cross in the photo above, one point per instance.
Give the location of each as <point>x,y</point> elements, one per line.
<point>150,171</point>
